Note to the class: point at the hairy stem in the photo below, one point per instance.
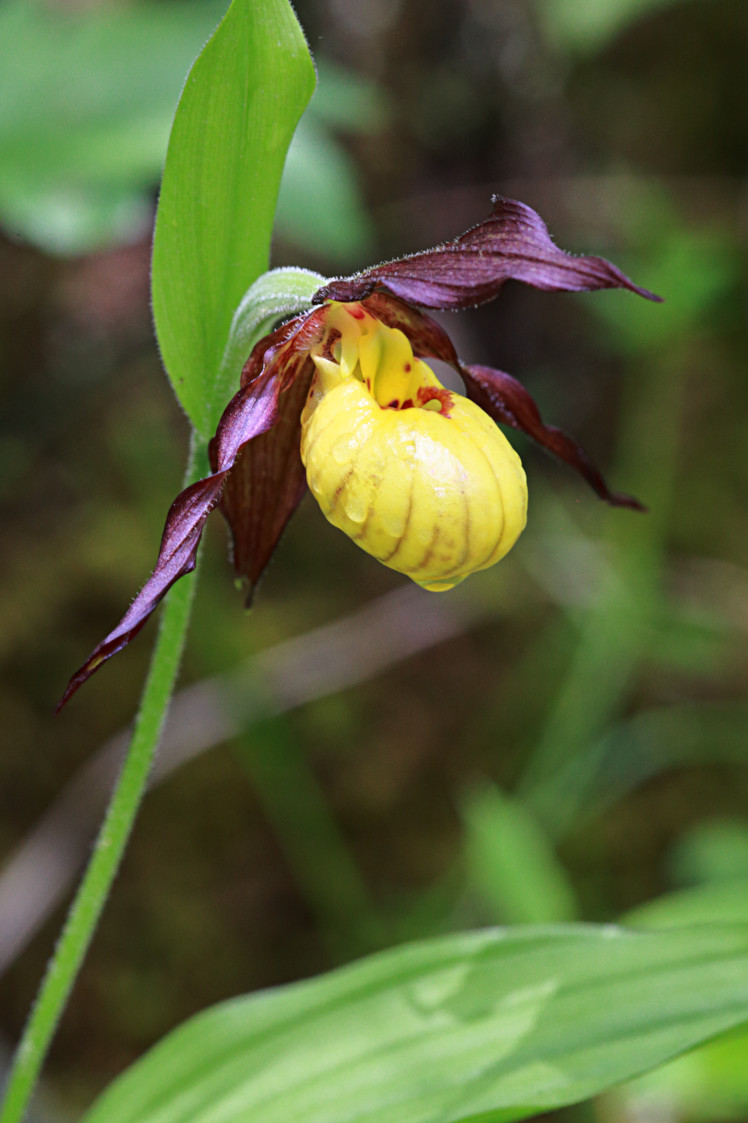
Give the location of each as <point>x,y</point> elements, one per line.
<point>91,897</point>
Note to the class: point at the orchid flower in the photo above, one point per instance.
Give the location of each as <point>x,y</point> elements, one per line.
<point>341,397</point>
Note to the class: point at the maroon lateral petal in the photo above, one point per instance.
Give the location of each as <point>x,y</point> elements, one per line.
<point>507,401</point>
<point>266,485</point>
<point>252,411</point>
<point>513,243</point>
<point>274,365</point>
<point>291,338</point>
<point>268,479</point>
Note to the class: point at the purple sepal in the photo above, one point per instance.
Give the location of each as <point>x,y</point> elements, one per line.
<point>507,401</point>
<point>513,243</point>
<point>251,411</point>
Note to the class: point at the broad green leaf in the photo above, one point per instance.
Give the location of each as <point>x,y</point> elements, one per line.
<point>499,1024</point>
<point>706,1084</point>
<point>511,863</point>
<point>234,123</point>
<point>711,1082</point>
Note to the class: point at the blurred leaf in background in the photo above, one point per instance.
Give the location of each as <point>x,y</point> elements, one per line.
<point>510,862</point>
<point>588,27</point>
<point>712,1082</point>
<point>87,98</point>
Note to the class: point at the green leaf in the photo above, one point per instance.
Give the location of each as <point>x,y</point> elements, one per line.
<point>234,123</point>
<point>711,1082</point>
<point>511,863</point>
<point>707,1084</point>
<point>499,1024</point>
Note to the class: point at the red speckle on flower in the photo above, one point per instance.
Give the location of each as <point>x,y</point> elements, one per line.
<point>436,393</point>
<point>407,368</point>
<point>356,311</point>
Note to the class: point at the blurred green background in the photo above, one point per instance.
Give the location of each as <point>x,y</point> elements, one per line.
<point>564,735</point>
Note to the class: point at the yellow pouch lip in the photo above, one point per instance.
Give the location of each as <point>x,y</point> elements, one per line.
<point>362,472</point>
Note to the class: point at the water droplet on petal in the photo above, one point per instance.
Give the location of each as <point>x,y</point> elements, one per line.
<point>356,506</point>
<point>343,450</point>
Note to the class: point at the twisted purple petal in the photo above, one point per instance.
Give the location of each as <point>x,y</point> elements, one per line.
<point>508,402</point>
<point>253,410</point>
<point>513,243</point>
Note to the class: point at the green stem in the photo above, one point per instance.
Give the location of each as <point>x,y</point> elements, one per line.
<point>110,845</point>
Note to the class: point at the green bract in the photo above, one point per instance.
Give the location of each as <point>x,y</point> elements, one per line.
<point>274,296</point>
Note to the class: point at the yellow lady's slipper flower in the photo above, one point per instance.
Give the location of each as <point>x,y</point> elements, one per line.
<point>342,396</point>
<point>418,476</point>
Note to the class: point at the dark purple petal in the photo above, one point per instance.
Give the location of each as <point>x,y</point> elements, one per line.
<point>507,401</point>
<point>293,337</point>
<point>268,479</point>
<point>272,368</point>
<point>253,410</point>
<point>266,484</point>
<point>512,244</point>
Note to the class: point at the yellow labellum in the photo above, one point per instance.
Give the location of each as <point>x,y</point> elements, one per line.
<point>418,476</point>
